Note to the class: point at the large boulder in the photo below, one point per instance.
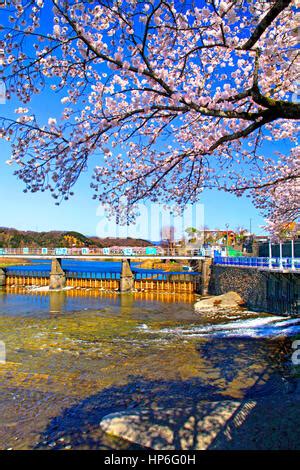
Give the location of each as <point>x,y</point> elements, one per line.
<point>264,424</point>
<point>173,428</point>
<point>229,300</point>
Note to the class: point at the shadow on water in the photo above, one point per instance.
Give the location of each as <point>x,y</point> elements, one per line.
<point>188,381</point>
<point>187,414</point>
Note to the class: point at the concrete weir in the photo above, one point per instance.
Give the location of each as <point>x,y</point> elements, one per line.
<point>57,275</point>
<point>124,282</point>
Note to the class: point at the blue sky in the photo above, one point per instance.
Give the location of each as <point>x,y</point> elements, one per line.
<point>39,212</point>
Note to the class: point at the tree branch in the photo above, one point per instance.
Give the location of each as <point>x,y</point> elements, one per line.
<point>276,9</point>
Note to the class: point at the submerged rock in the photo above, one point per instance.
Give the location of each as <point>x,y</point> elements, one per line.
<point>229,300</point>
<point>262,424</point>
<point>173,428</point>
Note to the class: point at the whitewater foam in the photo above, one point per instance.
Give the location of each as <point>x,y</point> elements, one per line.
<point>254,328</point>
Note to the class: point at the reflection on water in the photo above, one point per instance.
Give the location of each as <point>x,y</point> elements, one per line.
<point>18,301</point>
<point>74,356</point>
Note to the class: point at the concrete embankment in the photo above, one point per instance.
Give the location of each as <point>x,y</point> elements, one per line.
<point>274,292</point>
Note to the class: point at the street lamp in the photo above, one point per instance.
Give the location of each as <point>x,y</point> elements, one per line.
<point>227,226</point>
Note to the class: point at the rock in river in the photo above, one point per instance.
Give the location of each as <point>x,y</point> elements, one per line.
<point>229,300</point>
<point>212,425</point>
<point>173,428</point>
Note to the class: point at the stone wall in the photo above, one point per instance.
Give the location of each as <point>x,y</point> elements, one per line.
<point>261,290</point>
<point>249,283</point>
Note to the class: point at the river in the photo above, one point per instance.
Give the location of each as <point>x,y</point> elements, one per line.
<point>73,357</point>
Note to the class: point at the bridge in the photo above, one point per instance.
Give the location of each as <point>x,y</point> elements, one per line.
<point>101,253</point>
<point>277,264</point>
<point>110,257</point>
<point>59,276</point>
<point>270,284</point>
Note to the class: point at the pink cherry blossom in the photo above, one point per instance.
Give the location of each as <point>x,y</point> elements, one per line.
<point>171,99</point>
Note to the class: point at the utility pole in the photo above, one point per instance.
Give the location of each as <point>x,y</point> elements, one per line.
<point>270,253</point>
<point>280,255</point>
<point>293,253</point>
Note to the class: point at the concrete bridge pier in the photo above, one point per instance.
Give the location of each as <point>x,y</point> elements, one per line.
<point>57,275</point>
<point>2,277</point>
<point>127,278</point>
<point>205,275</point>
<point>204,267</point>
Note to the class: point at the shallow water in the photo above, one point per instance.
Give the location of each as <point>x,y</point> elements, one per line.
<point>73,357</point>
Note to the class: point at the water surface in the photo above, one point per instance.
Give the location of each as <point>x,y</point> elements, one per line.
<point>73,357</point>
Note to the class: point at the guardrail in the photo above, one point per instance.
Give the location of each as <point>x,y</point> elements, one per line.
<point>139,274</point>
<point>275,264</point>
<point>27,272</point>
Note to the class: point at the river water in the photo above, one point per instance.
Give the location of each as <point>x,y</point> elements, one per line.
<point>95,269</point>
<point>73,357</point>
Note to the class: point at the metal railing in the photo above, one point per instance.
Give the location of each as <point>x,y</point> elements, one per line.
<point>110,252</point>
<point>139,274</point>
<point>276,264</point>
<point>14,272</point>
<point>92,275</point>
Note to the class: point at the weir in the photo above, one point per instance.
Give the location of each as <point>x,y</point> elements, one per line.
<point>270,290</point>
<point>124,281</point>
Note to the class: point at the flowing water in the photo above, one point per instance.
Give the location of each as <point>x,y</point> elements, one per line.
<point>73,357</point>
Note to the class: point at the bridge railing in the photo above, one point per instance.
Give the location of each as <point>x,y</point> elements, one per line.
<point>142,274</point>
<point>263,263</point>
<point>109,274</point>
<point>108,252</point>
<point>98,275</point>
<point>14,272</point>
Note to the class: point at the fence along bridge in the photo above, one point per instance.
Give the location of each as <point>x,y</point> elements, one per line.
<point>116,253</point>
<point>129,279</point>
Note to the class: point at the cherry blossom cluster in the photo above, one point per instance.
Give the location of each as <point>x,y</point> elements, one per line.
<point>170,97</point>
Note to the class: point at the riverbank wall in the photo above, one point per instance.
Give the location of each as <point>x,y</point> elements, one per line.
<point>274,292</point>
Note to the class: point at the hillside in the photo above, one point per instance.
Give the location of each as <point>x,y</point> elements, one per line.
<point>106,242</point>
<point>13,238</point>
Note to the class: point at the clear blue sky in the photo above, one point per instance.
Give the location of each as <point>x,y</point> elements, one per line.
<point>38,211</point>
